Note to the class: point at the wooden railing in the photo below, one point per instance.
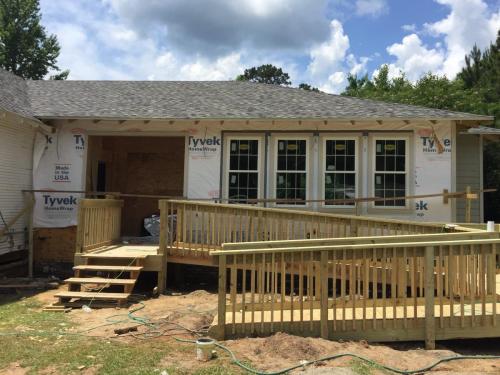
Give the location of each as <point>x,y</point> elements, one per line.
<point>99,222</point>
<point>196,228</point>
<point>428,287</point>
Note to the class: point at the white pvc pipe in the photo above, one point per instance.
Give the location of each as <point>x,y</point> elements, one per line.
<point>490,226</point>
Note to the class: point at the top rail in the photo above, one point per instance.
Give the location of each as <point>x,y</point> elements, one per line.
<point>370,240</point>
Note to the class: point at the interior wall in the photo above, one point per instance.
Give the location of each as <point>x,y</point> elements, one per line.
<point>138,165</point>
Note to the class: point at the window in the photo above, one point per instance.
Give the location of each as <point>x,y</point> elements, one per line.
<point>390,171</point>
<point>243,175</point>
<point>291,171</point>
<point>340,171</point>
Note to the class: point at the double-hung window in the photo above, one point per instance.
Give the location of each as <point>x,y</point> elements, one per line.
<point>339,171</point>
<point>291,171</point>
<point>391,171</point>
<point>243,171</point>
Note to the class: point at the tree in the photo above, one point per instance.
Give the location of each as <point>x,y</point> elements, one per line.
<point>308,87</point>
<point>266,74</point>
<point>25,48</point>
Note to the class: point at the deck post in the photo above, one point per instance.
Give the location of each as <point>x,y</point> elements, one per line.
<point>221,306</point>
<point>324,294</point>
<point>80,228</point>
<point>430,329</point>
<point>162,274</point>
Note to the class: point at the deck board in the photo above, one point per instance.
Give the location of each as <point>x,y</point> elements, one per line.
<point>349,314</point>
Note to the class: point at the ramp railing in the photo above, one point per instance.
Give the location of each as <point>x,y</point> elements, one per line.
<point>195,228</point>
<point>429,287</point>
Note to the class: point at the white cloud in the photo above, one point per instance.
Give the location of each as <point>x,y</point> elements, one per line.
<point>330,61</point>
<point>469,22</point>
<point>413,58</point>
<point>330,53</point>
<point>410,28</point>
<point>372,8</point>
<point>357,67</point>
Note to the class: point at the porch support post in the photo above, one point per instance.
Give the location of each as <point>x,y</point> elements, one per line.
<point>430,323</point>
<point>162,274</point>
<point>221,306</point>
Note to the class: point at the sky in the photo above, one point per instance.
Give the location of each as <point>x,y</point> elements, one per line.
<point>319,42</point>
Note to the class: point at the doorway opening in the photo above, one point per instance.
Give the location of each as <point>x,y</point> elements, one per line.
<point>136,165</point>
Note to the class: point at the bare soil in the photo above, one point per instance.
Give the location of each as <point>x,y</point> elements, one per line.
<point>196,310</point>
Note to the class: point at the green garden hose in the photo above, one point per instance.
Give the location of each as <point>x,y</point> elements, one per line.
<point>340,355</point>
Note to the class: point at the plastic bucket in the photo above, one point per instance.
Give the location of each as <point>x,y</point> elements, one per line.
<point>204,349</point>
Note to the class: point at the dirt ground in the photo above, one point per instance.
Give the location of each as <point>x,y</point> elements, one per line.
<point>195,311</point>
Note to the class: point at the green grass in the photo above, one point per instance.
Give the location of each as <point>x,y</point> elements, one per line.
<point>365,368</point>
<point>40,342</point>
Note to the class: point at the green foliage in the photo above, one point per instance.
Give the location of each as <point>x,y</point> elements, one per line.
<point>25,48</point>
<point>266,73</point>
<point>308,87</point>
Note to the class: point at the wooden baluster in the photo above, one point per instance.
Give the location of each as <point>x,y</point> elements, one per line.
<point>374,286</point>
<point>352,288</point>
<point>283,289</point>
<point>343,288</point>
<point>243,294</point>
<point>462,286</point>
<point>301,290</point>
<point>334,292</point>
<point>233,287</point>
<point>324,294</point>
<point>252,292</point>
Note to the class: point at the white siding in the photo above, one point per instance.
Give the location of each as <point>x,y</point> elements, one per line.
<point>16,159</point>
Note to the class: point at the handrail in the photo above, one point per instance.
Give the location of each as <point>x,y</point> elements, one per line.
<point>305,213</point>
<point>355,240</point>
<point>395,245</point>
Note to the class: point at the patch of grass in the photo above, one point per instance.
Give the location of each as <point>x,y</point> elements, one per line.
<point>365,368</point>
<point>39,340</point>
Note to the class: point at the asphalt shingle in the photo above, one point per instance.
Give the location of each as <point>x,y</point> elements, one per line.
<point>210,99</point>
<point>14,94</point>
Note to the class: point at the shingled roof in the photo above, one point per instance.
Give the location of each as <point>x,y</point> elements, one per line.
<point>196,100</point>
<point>211,100</point>
<point>14,94</point>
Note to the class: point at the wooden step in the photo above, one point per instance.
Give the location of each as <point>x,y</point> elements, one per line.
<point>92,267</point>
<point>99,280</point>
<point>113,256</point>
<point>94,295</point>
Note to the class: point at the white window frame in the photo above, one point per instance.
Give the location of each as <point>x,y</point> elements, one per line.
<point>260,144</point>
<point>373,170</point>
<point>276,171</point>
<point>323,170</point>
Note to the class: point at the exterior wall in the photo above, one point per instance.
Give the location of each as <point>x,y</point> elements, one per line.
<point>16,161</point>
<point>429,167</point>
<point>468,173</point>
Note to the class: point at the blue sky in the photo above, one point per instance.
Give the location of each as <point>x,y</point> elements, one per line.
<point>315,41</point>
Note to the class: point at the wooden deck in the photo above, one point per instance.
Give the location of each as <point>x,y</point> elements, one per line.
<point>309,273</point>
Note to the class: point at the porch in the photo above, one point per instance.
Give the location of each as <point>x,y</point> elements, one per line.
<point>307,273</point>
